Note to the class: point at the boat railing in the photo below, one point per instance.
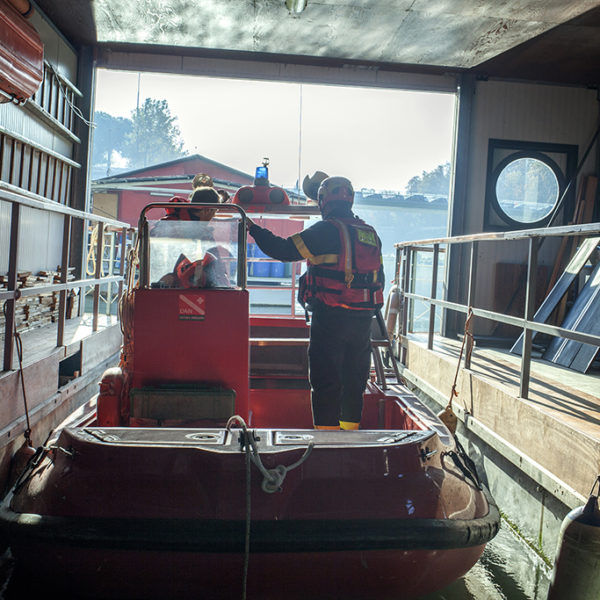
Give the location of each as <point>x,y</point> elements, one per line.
<point>530,323</point>
<point>105,239</point>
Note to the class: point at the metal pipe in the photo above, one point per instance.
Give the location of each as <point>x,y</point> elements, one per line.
<point>434,273</point>
<point>470,300</point>
<point>585,338</point>
<point>98,274</point>
<point>10,305</point>
<point>64,271</point>
<point>529,310</point>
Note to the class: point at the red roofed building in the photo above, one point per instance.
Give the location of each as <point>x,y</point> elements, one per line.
<point>124,195</point>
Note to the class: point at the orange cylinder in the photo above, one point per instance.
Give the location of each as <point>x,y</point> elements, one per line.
<point>23,6</point>
<point>393,309</point>
<point>108,406</point>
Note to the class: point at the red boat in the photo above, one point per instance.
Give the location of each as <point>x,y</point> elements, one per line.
<point>197,473</point>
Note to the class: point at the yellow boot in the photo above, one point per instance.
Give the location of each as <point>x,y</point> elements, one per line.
<point>327,427</point>
<point>348,425</point>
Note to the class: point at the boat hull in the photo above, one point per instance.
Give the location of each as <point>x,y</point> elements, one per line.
<point>360,575</point>
<point>368,514</point>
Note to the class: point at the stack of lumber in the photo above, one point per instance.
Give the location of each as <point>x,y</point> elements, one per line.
<point>40,309</point>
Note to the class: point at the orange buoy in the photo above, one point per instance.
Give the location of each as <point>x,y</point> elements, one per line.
<point>20,460</point>
<point>393,310</point>
<point>108,406</point>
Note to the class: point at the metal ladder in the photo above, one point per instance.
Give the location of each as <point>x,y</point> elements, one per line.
<point>381,340</point>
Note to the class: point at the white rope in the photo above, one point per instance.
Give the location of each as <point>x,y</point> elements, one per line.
<point>237,419</point>
<point>63,90</point>
<point>272,480</point>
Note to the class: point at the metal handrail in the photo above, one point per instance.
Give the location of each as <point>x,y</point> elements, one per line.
<point>9,296</point>
<point>405,252</point>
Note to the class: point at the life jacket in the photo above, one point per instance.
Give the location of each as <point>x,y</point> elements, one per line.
<point>194,274</point>
<point>175,213</point>
<point>351,278</point>
<point>188,213</point>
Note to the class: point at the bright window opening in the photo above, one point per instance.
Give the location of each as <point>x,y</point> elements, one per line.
<point>394,145</point>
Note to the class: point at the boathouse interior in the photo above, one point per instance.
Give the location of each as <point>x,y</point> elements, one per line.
<point>525,74</point>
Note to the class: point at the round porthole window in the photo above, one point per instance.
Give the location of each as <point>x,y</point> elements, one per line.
<point>527,189</point>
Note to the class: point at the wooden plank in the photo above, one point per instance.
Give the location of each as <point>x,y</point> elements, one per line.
<point>99,346</point>
<point>41,382</point>
<point>560,288</point>
<point>584,316</point>
<point>489,391</point>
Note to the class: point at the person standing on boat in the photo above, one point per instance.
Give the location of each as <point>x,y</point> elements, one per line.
<point>342,288</point>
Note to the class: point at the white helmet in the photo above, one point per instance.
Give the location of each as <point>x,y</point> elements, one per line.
<point>335,189</point>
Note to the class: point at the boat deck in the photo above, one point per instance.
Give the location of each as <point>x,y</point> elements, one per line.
<point>56,378</point>
<point>562,411</point>
<point>40,343</point>
<point>557,426</point>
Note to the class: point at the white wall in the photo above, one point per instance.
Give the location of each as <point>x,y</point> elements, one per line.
<point>526,112</point>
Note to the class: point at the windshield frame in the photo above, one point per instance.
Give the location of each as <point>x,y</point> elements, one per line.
<point>144,251</point>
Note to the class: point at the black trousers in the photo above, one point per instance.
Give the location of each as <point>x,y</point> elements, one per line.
<point>339,361</point>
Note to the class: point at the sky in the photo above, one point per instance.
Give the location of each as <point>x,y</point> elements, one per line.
<point>378,138</point>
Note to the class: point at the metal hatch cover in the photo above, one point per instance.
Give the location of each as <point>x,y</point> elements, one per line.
<point>349,438</point>
<point>157,436</point>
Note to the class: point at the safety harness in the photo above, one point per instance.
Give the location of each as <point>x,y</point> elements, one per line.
<point>349,279</point>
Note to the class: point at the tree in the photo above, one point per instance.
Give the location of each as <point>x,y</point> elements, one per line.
<point>436,181</point>
<point>154,136</point>
<point>108,137</point>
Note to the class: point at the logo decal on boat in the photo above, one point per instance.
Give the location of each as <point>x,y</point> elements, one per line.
<point>191,307</point>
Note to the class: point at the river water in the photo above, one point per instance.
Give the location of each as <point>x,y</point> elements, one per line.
<point>508,570</point>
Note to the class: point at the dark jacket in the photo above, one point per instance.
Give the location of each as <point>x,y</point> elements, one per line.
<point>320,239</point>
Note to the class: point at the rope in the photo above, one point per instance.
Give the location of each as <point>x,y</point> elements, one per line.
<point>91,255</point>
<point>40,453</point>
<point>447,416</point>
<point>126,308</point>
<point>466,335</point>
<point>242,424</point>
<point>272,480</point>
<point>19,345</point>
<point>63,90</point>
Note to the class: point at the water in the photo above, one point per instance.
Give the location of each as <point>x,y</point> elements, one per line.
<point>507,570</point>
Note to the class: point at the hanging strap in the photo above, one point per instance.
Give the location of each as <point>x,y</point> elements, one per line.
<point>348,274</point>
<point>19,345</point>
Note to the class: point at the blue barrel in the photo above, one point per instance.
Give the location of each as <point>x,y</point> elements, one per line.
<point>260,269</point>
<point>250,254</point>
<point>277,269</point>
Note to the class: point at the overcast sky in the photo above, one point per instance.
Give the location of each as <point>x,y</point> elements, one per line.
<point>378,138</point>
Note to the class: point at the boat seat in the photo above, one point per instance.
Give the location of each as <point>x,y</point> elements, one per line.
<point>279,357</point>
<point>172,405</point>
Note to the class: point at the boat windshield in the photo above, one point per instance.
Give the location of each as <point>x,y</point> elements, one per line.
<point>206,253</point>
<point>194,253</point>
